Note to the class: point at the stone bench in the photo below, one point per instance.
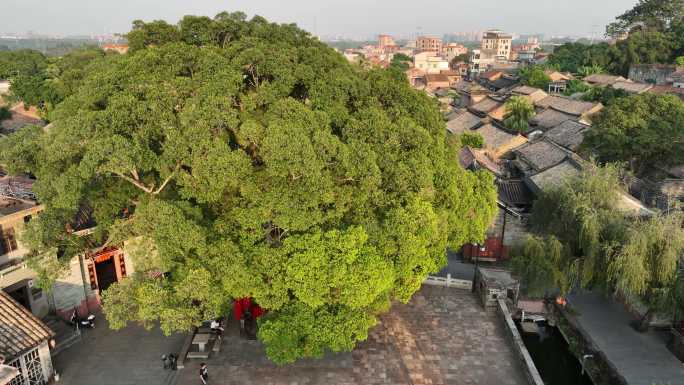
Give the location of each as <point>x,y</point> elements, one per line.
<point>187,344</point>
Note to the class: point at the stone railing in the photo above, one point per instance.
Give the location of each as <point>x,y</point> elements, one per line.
<point>10,267</point>
<point>531,372</point>
<point>449,282</point>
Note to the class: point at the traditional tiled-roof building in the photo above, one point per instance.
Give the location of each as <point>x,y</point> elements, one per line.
<point>24,343</point>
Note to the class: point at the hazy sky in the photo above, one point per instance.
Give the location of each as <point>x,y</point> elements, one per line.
<point>330,17</point>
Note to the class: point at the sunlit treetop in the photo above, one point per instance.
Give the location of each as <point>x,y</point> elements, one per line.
<point>246,158</point>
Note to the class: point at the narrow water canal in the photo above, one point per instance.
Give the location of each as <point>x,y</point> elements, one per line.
<point>551,356</point>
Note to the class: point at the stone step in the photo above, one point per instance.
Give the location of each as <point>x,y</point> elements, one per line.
<point>198,355</point>
<point>66,342</point>
<point>65,335</point>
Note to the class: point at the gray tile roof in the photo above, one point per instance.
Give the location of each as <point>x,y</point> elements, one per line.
<point>568,134</point>
<point>463,121</point>
<point>486,105</point>
<point>525,90</point>
<point>494,137</point>
<point>20,330</point>
<point>554,176</point>
<point>559,174</point>
<point>470,157</point>
<point>673,188</point>
<point>603,79</point>
<point>632,87</point>
<point>566,105</point>
<point>541,155</point>
<point>550,118</point>
<point>17,187</point>
<point>514,192</point>
<point>16,194</point>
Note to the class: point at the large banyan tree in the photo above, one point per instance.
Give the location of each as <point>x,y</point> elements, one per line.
<point>248,159</point>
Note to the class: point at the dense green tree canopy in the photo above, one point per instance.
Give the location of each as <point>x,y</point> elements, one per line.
<point>534,76</point>
<point>643,130</point>
<point>45,82</point>
<point>246,158</point>
<point>655,34</point>
<point>401,62</point>
<point>656,15</point>
<point>604,95</point>
<point>471,139</point>
<point>646,47</point>
<point>22,62</point>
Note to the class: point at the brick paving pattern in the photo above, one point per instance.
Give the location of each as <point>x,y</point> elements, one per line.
<point>441,337</point>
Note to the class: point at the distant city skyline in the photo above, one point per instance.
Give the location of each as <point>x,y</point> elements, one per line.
<point>349,19</point>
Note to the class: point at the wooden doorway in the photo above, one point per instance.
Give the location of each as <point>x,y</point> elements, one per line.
<point>105,268</point>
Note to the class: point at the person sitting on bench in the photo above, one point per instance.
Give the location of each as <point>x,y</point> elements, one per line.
<point>216,327</point>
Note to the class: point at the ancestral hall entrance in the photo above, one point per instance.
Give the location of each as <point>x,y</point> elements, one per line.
<point>105,268</point>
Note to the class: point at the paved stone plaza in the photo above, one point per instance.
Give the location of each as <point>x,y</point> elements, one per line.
<point>131,356</point>
<point>442,337</point>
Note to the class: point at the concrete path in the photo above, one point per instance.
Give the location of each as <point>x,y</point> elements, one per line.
<point>131,356</point>
<point>441,337</point>
<point>641,358</point>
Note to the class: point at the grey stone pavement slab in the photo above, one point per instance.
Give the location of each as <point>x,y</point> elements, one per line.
<point>641,358</point>
<point>457,268</point>
<point>441,337</point>
<point>130,356</point>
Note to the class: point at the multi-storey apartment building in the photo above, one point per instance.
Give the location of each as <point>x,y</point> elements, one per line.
<point>496,45</point>
<point>386,40</point>
<point>427,43</point>
<point>452,50</point>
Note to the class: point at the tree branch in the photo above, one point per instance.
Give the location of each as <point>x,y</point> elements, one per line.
<point>168,179</point>
<point>136,183</point>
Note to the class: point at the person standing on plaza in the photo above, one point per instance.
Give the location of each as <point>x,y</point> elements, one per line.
<point>204,374</point>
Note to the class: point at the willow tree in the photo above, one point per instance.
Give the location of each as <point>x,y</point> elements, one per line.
<point>602,247</point>
<point>648,263</point>
<point>583,215</point>
<point>247,159</point>
<point>543,266</point>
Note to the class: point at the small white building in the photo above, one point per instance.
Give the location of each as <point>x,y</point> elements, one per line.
<point>430,62</point>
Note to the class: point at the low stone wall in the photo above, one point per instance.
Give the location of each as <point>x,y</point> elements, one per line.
<point>531,372</point>
<point>600,369</point>
<point>449,282</point>
<point>676,344</point>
